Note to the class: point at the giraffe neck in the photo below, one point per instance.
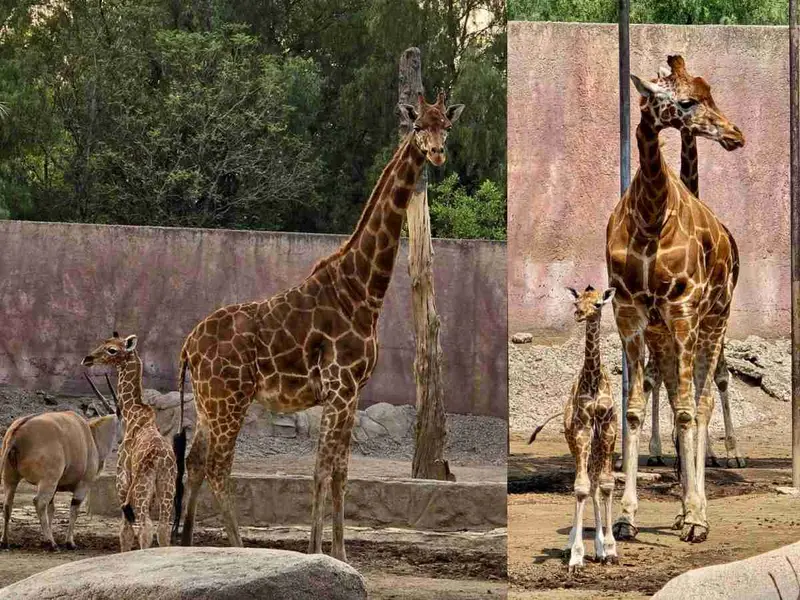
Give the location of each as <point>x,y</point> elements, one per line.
<point>367,259</point>
<point>689,164</point>
<point>129,390</point>
<point>651,192</point>
<point>591,361</point>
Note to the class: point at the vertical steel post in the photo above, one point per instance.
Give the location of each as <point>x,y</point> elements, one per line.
<point>624,169</point>
<point>794,187</point>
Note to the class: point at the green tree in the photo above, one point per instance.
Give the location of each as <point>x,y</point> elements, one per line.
<point>681,12</point>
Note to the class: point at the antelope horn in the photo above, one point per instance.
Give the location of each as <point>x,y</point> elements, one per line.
<point>114,396</point>
<point>100,396</point>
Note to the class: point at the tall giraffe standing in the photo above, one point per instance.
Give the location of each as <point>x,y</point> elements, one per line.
<point>315,344</point>
<point>590,426</point>
<point>653,380</point>
<point>672,264</point>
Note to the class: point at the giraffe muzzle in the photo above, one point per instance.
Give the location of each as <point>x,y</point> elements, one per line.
<point>87,361</point>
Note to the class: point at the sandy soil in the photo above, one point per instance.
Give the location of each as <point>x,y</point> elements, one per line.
<point>397,564</point>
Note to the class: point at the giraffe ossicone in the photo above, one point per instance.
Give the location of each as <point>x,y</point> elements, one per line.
<point>314,344</point>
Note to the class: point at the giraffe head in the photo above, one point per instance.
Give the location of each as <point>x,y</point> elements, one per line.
<point>431,123</point>
<point>676,99</point>
<point>114,351</point>
<point>589,303</point>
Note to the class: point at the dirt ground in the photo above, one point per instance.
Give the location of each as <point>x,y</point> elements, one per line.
<point>747,517</point>
<point>746,514</point>
<point>397,564</point>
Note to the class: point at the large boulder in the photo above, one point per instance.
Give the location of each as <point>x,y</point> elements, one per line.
<point>768,576</point>
<point>199,573</point>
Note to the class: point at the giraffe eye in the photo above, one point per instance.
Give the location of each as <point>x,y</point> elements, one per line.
<point>111,351</point>
<point>417,127</point>
<point>688,103</point>
<point>598,305</point>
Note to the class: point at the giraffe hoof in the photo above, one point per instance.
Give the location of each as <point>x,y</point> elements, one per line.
<point>5,546</point>
<point>573,569</point>
<point>47,546</point>
<point>611,560</point>
<point>737,463</point>
<point>625,531</point>
<point>70,546</point>
<point>655,461</point>
<point>694,533</point>
<point>711,461</point>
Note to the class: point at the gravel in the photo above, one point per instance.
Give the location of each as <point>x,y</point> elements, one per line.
<point>541,377</point>
<point>471,440</point>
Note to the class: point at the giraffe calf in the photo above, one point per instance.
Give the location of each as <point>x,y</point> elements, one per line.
<point>590,426</point>
<point>147,471</point>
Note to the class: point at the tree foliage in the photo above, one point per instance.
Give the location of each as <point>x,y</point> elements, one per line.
<point>264,114</point>
<point>680,12</point>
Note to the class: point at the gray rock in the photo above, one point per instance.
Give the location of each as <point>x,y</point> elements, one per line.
<point>284,426</point>
<point>198,573</point>
<point>396,420</point>
<point>522,338</point>
<point>149,396</point>
<point>744,368</point>
<point>314,415</point>
<point>749,579</point>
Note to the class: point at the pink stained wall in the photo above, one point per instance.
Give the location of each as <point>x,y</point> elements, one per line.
<point>563,155</point>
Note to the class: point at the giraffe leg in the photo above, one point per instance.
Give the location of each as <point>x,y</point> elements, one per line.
<point>709,344</point>
<point>684,410</point>
<point>164,498</point>
<point>605,455</point>
<point>576,535</point>
<point>579,436</point>
<point>599,539</point>
<point>722,381</point>
<point>339,481</point>
<point>625,526</point>
<point>219,462</point>
<point>656,457</point>
<point>143,496</point>
<point>333,452</point>
<point>195,473</point>
<point>44,495</point>
<point>10,484</point>
<point>74,507</point>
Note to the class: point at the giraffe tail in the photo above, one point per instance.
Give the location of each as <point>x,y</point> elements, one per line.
<point>179,448</point>
<point>540,427</point>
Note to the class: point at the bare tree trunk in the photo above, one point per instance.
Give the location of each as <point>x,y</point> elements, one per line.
<point>431,429</point>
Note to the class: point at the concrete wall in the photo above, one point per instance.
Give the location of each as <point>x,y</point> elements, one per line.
<point>65,287</point>
<point>268,500</point>
<point>563,151</point>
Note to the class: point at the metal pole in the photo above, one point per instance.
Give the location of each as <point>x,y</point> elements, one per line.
<point>624,171</point>
<point>794,187</point>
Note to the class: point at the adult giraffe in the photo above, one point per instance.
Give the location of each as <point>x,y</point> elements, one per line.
<point>315,344</point>
<point>673,265</point>
<point>652,378</point>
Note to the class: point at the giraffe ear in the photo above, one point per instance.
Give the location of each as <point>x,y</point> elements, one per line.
<point>664,71</point>
<point>453,112</point>
<point>574,292</point>
<point>130,343</point>
<point>646,88</point>
<point>608,295</point>
<point>407,112</point>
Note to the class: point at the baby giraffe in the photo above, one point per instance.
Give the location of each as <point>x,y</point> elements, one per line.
<point>146,467</point>
<point>590,426</point>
